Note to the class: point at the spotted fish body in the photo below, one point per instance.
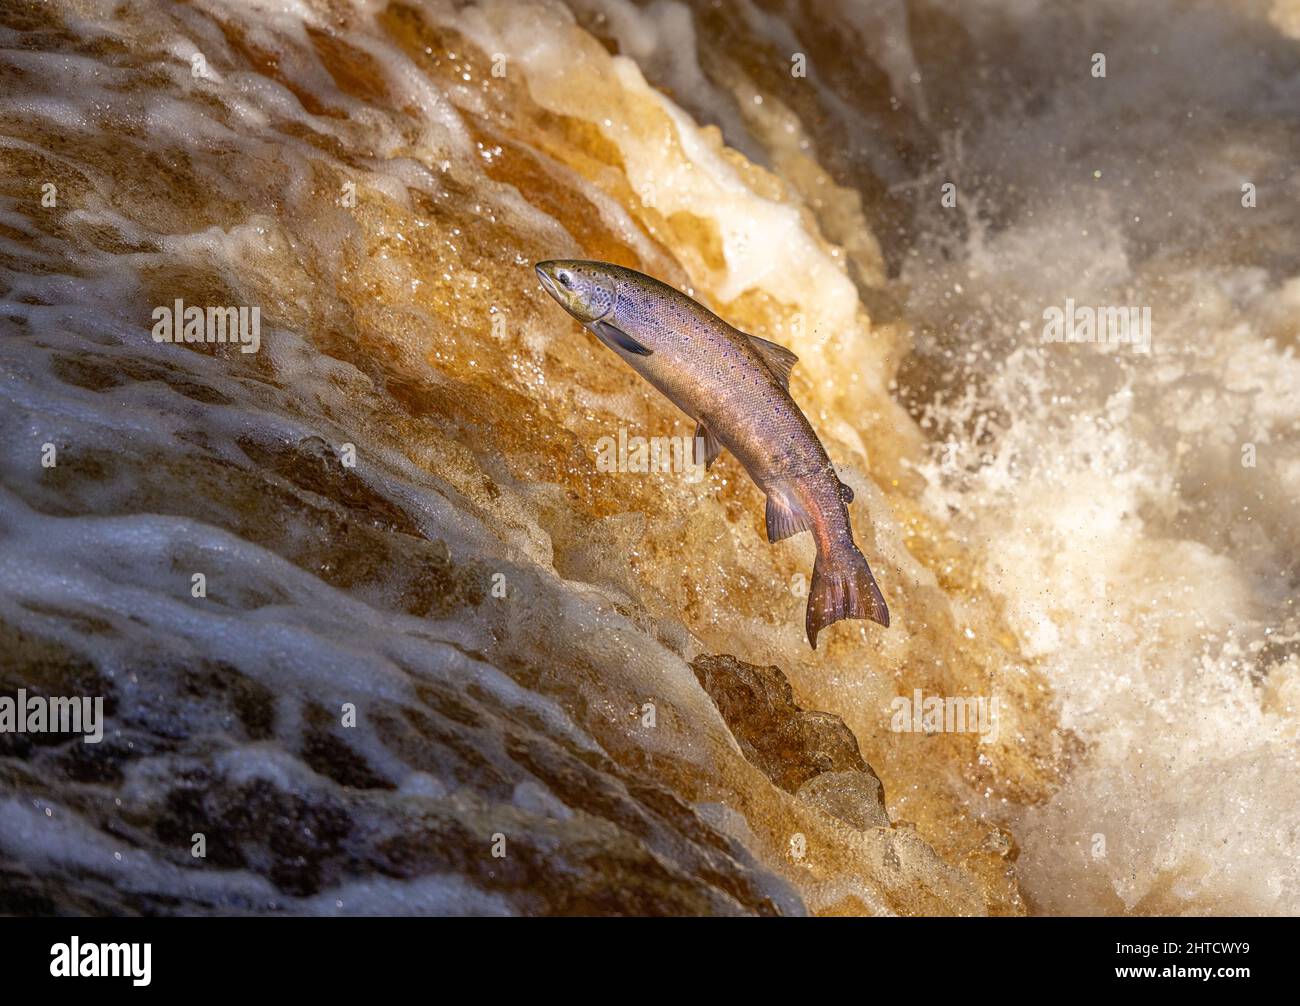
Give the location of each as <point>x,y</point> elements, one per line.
<point>735,386</point>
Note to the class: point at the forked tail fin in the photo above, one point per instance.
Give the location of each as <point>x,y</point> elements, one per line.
<point>842,587</point>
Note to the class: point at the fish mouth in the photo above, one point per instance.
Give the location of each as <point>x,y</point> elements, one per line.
<point>549,284</point>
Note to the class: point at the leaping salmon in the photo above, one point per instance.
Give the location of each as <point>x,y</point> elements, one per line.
<point>736,387</point>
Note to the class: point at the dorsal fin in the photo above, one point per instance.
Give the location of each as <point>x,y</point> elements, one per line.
<point>779,360</point>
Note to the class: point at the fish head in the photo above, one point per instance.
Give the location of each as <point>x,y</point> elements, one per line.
<point>587,290</point>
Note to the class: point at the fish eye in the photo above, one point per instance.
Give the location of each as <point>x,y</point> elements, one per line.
<point>566,280</point>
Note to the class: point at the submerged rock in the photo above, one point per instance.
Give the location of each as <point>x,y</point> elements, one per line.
<point>856,798</point>
<point>812,754</point>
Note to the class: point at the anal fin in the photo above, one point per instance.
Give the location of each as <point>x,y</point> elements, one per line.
<point>784,517</point>
<point>707,447</point>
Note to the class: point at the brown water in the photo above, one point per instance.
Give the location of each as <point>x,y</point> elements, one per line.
<point>397,506</point>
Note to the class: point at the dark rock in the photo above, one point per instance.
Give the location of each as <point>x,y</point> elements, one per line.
<point>811,754</point>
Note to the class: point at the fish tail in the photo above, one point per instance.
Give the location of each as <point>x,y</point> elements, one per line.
<point>842,587</point>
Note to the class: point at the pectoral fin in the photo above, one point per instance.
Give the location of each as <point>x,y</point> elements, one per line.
<point>780,361</point>
<point>616,336</point>
<point>784,517</point>
<point>707,447</point>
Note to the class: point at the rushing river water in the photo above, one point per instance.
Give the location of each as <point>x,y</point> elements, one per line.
<point>376,630</point>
